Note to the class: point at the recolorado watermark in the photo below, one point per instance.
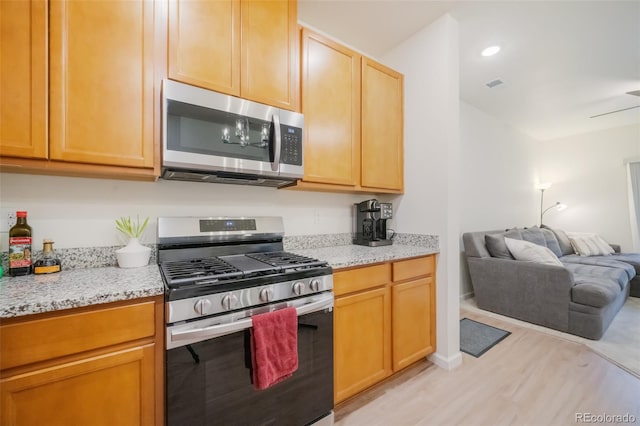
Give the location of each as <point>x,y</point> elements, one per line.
<point>605,418</point>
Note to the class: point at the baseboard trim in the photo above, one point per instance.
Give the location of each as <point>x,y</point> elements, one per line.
<point>446,363</point>
<point>467,296</point>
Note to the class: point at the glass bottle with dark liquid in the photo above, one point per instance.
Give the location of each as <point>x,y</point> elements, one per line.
<point>48,263</point>
<point>20,246</point>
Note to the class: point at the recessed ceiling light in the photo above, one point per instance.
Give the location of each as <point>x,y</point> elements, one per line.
<point>491,50</point>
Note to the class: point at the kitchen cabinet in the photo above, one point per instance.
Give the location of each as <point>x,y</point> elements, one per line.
<point>23,78</point>
<point>104,72</point>
<point>353,109</point>
<point>384,321</point>
<point>362,321</point>
<point>413,310</point>
<point>382,127</point>
<point>244,48</point>
<point>331,104</point>
<point>97,365</point>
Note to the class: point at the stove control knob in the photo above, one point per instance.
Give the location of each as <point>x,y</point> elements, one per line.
<point>201,306</point>
<point>229,301</point>
<point>298,288</point>
<point>315,285</point>
<point>266,294</point>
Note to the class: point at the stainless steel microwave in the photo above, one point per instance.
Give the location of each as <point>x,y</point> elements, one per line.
<point>212,137</point>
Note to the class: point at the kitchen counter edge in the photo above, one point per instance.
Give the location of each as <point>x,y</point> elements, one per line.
<point>35,294</point>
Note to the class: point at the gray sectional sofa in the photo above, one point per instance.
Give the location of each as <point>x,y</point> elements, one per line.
<point>580,297</point>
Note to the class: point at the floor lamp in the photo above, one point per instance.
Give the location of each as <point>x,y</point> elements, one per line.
<point>557,205</point>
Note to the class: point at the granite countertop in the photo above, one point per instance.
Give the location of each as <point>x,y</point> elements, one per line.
<point>90,279</point>
<point>352,255</point>
<point>32,294</point>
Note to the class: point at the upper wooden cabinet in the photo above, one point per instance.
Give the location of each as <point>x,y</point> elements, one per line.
<point>382,127</point>
<point>331,104</point>
<point>353,120</point>
<point>100,114</point>
<point>204,44</point>
<point>102,82</point>
<point>23,79</point>
<point>245,48</point>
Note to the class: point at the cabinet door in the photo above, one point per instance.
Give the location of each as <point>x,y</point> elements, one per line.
<point>23,78</point>
<point>111,389</point>
<point>204,44</point>
<point>270,68</point>
<point>413,329</point>
<point>331,108</point>
<point>382,127</point>
<point>102,82</point>
<point>362,353</point>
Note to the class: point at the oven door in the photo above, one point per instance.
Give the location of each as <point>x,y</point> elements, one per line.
<point>209,381</point>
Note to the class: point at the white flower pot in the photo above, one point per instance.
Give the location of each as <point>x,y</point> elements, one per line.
<point>133,255</point>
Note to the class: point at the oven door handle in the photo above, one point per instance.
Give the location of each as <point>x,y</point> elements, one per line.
<point>205,333</point>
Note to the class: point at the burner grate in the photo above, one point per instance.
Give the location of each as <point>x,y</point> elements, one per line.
<point>188,271</point>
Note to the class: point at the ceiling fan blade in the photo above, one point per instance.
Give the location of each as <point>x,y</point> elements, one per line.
<point>634,93</point>
<point>611,112</point>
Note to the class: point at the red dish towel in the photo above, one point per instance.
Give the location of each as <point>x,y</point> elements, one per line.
<point>274,347</point>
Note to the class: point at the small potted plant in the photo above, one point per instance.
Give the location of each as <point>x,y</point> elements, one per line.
<point>134,254</point>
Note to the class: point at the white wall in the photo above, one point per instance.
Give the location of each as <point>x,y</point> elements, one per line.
<point>589,175</point>
<point>78,212</point>
<point>498,174</point>
<point>429,62</point>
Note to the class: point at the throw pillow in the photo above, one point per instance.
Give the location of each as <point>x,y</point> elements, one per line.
<point>524,250</point>
<point>534,235</point>
<point>496,246</point>
<point>586,244</point>
<point>563,241</point>
<point>552,242</point>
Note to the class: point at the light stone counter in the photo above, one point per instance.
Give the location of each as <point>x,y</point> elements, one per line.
<point>352,255</point>
<point>32,294</point>
<point>95,282</point>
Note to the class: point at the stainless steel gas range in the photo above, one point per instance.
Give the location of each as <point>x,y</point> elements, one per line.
<point>218,273</point>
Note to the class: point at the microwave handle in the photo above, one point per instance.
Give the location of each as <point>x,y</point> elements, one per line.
<point>277,143</point>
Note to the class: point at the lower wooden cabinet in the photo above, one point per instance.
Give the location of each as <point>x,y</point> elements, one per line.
<point>361,341</point>
<point>384,320</point>
<point>113,376</point>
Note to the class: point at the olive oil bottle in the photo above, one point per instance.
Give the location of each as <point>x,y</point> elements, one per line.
<point>48,263</point>
<point>20,246</point>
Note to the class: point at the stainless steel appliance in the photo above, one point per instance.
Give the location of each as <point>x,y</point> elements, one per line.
<point>371,223</point>
<point>213,137</point>
<point>218,272</point>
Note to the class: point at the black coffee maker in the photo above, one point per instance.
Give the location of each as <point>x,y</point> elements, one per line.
<point>371,223</point>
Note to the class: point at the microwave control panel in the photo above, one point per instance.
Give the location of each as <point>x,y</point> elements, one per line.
<point>291,152</point>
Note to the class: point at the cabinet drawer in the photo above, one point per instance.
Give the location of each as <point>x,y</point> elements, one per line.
<point>51,337</point>
<point>361,278</point>
<point>412,268</point>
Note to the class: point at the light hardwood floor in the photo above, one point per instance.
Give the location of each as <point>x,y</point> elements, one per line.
<point>530,378</point>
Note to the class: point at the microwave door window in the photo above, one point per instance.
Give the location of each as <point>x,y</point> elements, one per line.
<point>199,130</point>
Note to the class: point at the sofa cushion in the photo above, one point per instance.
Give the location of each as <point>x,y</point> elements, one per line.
<point>528,251</point>
<point>551,242</point>
<point>582,271</point>
<point>632,259</point>
<point>593,291</point>
<point>563,240</point>
<point>619,261</point>
<point>496,246</point>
